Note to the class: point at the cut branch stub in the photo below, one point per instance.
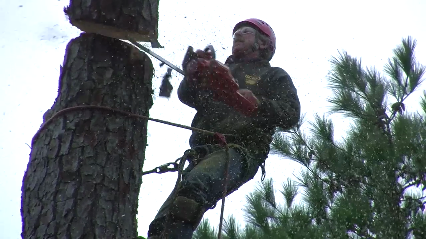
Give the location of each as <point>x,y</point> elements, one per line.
<point>135,19</point>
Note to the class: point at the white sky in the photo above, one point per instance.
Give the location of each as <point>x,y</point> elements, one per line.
<point>32,44</point>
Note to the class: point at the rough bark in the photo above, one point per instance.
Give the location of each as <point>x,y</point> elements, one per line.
<point>117,19</point>
<point>84,173</point>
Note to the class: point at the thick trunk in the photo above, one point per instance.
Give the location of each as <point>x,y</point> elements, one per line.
<point>84,174</point>
<point>137,19</point>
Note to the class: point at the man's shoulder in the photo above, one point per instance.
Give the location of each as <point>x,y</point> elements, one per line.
<point>275,72</point>
<point>278,71</point>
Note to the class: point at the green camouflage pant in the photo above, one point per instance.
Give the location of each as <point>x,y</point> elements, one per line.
<point>204,182</point>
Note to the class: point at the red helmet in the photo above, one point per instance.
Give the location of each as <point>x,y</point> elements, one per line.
<point>261,26</point>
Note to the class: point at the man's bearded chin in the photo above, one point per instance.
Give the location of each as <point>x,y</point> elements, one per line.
<point>238,52</point>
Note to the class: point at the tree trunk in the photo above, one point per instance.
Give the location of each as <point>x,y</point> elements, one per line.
<point>85,169</point>
<point>137,19</point>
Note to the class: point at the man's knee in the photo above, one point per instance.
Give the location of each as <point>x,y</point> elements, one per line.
<point>187,210</point>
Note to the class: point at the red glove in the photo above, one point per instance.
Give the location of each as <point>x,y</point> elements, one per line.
<point>204,54</point>
<point>196,64</point>
<point>248,94</point>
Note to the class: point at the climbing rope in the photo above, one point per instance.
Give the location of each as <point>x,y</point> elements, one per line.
<point>220,138</point>
<point>225,187</point>
<point>180,166</point>
<point>122,112</point>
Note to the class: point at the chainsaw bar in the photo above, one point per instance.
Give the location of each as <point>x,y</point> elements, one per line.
<point>157,56</point>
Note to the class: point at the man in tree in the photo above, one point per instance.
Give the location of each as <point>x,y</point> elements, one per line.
<point>269,88</point>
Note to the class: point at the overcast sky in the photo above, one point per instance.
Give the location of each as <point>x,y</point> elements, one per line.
<point>34,34</point>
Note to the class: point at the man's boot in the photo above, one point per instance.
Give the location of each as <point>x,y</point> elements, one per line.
<point>185,215</point>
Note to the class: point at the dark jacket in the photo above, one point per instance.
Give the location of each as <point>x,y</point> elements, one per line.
<point>279,106</point>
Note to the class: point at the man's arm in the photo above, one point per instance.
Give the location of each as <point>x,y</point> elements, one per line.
<point>279,106</point>
<point>193,97</point>
<point>187,94</point>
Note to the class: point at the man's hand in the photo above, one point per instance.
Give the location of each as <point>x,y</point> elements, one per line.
<point>248,94</point>
<point>204,54</point>
<point>196,64</point>
<point>192,58</point>
<point>197,71</point>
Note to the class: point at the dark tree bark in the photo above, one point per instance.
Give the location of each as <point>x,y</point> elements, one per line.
<point>118,19</point>
<point>85,169</point>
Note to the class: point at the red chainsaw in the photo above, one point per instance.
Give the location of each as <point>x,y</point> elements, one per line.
<point>208,73</point>
<point>211,74</point>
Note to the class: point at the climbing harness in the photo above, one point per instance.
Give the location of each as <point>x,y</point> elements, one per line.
<point>178,165</point>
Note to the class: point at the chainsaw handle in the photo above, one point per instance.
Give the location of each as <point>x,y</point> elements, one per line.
<point>189,56</point>
<point>210,49</point>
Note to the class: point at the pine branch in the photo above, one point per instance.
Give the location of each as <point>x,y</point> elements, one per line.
<point>266,189</point>
<point>294,156</point>
<point>346,103</point>
<point>323,129</point>
<point>292,147</point>
<point>259,208</point>
<point>315,197</point>
<point>404,61</point>
<point>347,74</point>
<point>231,228</point>
<point>289,192</point>
<point>204,231</point>
<point>416,76</point>
<point>394,112</point>
<point>405,55</point>
<point>377,89</point>
<point>423,101</point>
<point>394,71</point>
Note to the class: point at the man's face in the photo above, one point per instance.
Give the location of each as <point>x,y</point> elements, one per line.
<point>244,39</point>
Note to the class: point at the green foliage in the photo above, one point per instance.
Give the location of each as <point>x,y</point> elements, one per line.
<point>205,231</point>
<point>266,219</point>
<point>231,228</point>
<point>372,183</point>
<point>289,192</point>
